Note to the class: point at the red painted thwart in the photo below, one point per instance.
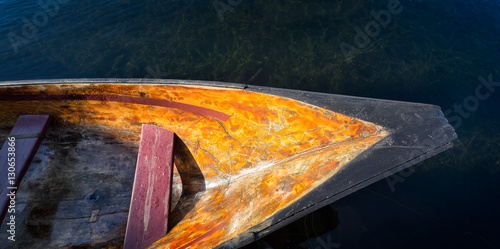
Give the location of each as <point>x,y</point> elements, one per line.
<point>24,151</point>
<point>151,194</point>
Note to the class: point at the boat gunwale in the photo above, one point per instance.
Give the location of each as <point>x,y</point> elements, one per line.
<point>123,81</point>
<point>200,83</point>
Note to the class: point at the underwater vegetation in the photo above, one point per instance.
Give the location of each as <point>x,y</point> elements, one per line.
<point>290,44</point>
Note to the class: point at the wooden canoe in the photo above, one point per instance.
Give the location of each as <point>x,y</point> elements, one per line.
<point>248,159</point>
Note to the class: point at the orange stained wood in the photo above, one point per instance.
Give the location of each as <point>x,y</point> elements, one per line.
<point>268,154</point>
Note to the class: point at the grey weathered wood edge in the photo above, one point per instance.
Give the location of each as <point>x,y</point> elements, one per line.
<point>417,132</point>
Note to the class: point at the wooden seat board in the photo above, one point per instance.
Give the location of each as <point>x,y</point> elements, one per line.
<point>21,155</point>
<point>151,194</point>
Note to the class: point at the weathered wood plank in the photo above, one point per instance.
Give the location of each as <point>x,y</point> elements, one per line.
<point>76,171</point>
<point>150,205</point>
<point>17,154</point>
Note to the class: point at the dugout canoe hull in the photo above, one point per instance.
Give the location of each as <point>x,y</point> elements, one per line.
<point>248,159</point>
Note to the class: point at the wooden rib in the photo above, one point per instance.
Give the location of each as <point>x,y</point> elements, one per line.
<point>123,99</point>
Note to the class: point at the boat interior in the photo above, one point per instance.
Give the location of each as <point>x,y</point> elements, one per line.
<point>239,158</point>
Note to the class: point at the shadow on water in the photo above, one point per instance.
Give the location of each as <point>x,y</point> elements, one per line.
<point>299,233</point>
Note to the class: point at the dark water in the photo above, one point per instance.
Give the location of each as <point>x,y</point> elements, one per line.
<point>428,51</point>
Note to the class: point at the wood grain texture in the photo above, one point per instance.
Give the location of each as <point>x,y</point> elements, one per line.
<point>24,151</point>
<point>151,193</point>
<point>75,171</point>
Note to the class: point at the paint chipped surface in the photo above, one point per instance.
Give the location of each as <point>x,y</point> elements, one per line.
<point>271,151</point>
